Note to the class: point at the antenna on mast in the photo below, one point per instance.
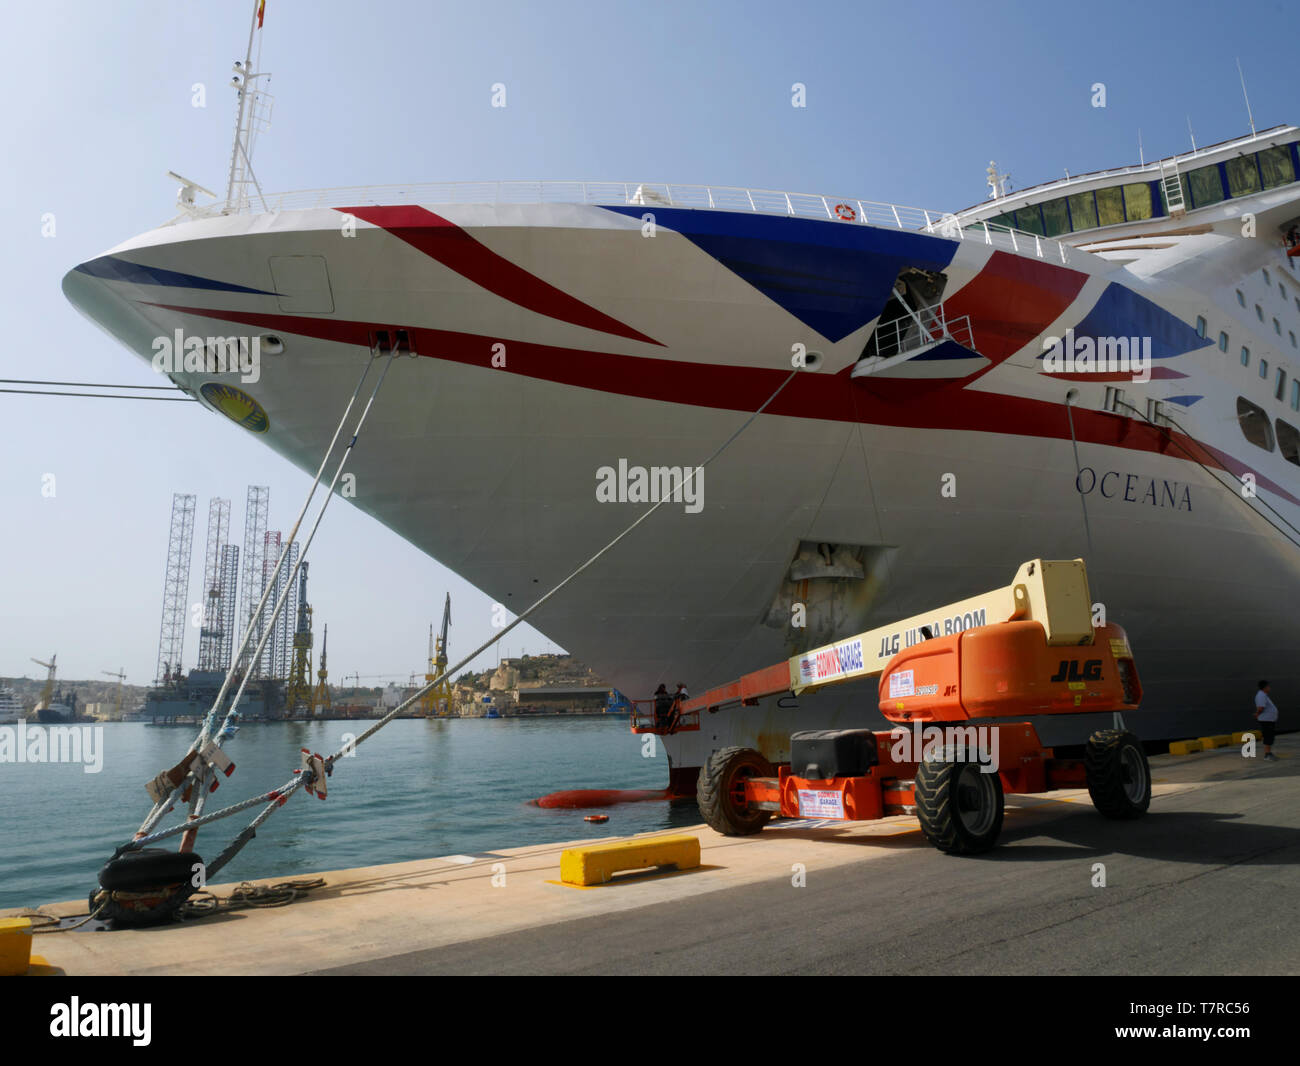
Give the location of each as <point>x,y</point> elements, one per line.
<point>1246,96</point>
<point>1190,133</point>
<point>254,117</point>
<point>1142,159</point>
<point>997,181</point>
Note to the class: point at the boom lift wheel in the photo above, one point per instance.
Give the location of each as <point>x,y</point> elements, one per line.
<point>960,808</point>
<point>720,791</point>
<point>1119,777</point>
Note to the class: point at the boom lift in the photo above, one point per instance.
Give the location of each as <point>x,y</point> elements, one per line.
<point>949,681</point>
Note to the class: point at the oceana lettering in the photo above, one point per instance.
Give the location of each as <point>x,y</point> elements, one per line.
<point>1134,488</point>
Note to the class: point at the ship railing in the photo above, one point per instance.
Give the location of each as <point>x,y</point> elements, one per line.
<point>906,334</point>
<point>842,209</point>
<point>645,721</point>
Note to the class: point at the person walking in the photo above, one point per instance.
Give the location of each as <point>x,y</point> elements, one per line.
<point>1266,716</point>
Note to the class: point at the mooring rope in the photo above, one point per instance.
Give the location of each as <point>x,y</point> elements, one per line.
<point>278,797</point>
<point>196,777</point>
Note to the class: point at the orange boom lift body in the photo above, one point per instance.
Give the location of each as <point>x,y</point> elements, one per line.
<point>959,704</point>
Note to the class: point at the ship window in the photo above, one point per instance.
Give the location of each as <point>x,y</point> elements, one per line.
<point>1282,289</point>
<point>1288,442</point>
<point>1029,220</point>
<point>1240,298</point>
<point>1277,327</point>
<point>1245,357</point>
<point>1291,333</point>
<point>1110,206</point>
<point>1206,186</point>
<point>1267,279</point>
<point>1005,221</point>
<point>1083,210</point>
<point>1243,176</point>
<point>1297,303</point>
<point>1259,312</point>
<point>1276,167</point>
<point>1056,218</point>
<point>1137,201</point>
<point>1280,391</point>
<point>1263,368</point>
<point>1295,395</point>
<point>1254,424</point>
<point>1200,325</point>
<point>1223,342</point>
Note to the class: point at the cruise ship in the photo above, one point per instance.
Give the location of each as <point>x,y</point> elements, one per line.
<point>917,439</point>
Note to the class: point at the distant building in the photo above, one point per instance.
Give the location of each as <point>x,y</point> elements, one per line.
<point>394,694</point>
<point>565,699</point>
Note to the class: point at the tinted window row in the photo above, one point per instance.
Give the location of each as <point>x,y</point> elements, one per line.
<point>1142,200</point>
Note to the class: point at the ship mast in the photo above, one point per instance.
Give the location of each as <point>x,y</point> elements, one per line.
<point>254,111</point>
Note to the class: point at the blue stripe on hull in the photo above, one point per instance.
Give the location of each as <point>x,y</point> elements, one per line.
<point>112,268</point>
<point>832,277</point>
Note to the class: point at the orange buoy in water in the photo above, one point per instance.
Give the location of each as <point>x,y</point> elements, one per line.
<point>577,798</point>
<point>596,818</point>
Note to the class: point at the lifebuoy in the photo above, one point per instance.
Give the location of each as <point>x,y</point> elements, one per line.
<point>845,212</point>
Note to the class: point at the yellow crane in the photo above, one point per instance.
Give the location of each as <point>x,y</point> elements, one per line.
<point>47,693</point>
<point>437,701</point>
<point>121,676</point>
<point>298,693</point>
<point>320,697</point>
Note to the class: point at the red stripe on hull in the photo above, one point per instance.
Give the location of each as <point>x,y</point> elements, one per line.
<point>455,249</point>
<point>833,397</point>
<point>1027,294</point>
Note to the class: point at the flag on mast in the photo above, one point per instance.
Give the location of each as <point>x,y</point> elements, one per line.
<point>261,13</point>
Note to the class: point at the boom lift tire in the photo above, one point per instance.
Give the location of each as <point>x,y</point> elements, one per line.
<point>720,791</point>
<point>1119,777</point>
<point>960,808</point>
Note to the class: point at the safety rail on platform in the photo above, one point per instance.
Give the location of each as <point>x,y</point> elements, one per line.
<point>677,720</point>
<point>906,334</point>
<point>642,194</point>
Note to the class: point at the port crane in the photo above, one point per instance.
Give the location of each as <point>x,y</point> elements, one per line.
<point>957,684</point>
<point>297,693</point>
<point>47,693</point>
<point>320,697</point>
<point>121,676</point>
<point>437,701</point>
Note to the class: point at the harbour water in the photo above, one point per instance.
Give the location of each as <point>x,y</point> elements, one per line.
<point>417,789</point>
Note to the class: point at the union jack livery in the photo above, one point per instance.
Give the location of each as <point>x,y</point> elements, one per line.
<point>1104,367</point>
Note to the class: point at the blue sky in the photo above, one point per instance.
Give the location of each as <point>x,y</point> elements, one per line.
<point>905,104</point>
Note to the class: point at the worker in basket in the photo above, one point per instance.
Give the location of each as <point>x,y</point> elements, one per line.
<point>663,708</point>
<point>679,701</point>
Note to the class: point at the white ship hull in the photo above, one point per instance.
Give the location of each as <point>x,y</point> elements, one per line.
<point>942,478</point>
